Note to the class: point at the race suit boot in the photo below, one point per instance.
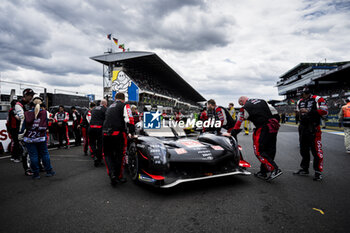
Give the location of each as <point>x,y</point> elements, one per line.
<point>318,176</point>
<point>274,174</point>
<point>301,172</point>
<point>261,175</point>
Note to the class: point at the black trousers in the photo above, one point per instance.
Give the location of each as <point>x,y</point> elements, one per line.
<point>114,148</point>
<point>265,148</point>
<point>77,135</point>
<point>63,134</point>
<point>16,148</point>
<point>310,139</point>
<point>95,140</point>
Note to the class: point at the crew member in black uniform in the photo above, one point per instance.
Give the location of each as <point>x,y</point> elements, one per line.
<point>85,124</point>
<point>61,118</point>
<point>219,113</point>
<point>264,136</point>
<point>76,125</point>
<point>95,131</point>
<point>311,108</point>
<point>118,122</point>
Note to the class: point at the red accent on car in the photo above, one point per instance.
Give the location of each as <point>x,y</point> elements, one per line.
<point>243,163</point>
<point>156,177</point>
<point>143,155</point>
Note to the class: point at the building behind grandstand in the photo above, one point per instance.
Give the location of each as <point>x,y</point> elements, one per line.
<point>328,80</point>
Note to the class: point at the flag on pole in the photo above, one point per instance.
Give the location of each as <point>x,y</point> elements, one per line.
<point>128,50</point>
<point>115,41</point>
<point>109,36</point>
<point>121,46</point>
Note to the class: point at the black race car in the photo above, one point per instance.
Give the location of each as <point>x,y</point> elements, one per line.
<point>166,157</point>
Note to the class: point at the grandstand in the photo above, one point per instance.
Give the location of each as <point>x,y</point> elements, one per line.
<point>329,80</point>
<point>156,82</point>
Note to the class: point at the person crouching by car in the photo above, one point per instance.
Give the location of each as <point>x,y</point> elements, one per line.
<point>95,131</point>
<point>35,126</point>
<point>61,118</point>
<point>118,122</point>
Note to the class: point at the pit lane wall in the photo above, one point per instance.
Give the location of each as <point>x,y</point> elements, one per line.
<point>332,120</point>
<point>4,137</point>
<point>53,139</point>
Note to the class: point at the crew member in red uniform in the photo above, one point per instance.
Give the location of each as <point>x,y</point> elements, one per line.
<point>264,136</point>
<point>85,125</point>
<point>311,108</point>
<point>12,125</point>
<point>219,113</point>
<point>76,125</point>
<point>95,131</point>
<point>118,122</point>
<point>61,118</point>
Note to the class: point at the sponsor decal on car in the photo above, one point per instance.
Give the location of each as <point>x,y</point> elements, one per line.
<point>217,147</point>
<point>180,151</point>
<point>191,143</point>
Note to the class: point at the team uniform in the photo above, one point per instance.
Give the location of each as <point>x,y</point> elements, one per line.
<point>85,130</point>
<point>76,129</point>
<point>223,115</point>
<point>12,125</point>
<point>310,131</point>
<point>264,136</point>
<point>118,119</point>
<point>344,115</point>
<point>20,110</point>
<point>61,118</point>
<point>95,132</point>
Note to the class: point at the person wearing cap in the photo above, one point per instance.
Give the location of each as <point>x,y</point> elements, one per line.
<point>344,116</point>
<point>35,126</point>
<point>118,123</point>
<point>76,125</point>
<point>20,109</point>
<point>265,119</point>
<point>311,108</point>
<point>61,118</point>
<point>95,131</point>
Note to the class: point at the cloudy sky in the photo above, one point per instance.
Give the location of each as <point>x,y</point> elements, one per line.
<point>223,48</point>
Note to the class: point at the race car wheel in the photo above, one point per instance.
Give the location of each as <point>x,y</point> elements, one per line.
<point>133,162</point>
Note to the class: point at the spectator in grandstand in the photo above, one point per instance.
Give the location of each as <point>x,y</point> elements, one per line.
<point>219,113</point>
<point>344,117</point>
<point>20,109</point>
<point>232,110</point>
<point>76,125</point>
<point>35,125</point>
<point>264,136</point>
<point>85,124</point>
<point>311,108</point>
<point>12,125</point>
<point>61,118</point>
<point>118,123</point>
<point>95,131</point>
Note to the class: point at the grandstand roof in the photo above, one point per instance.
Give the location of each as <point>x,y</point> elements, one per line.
<point>302,66</point>
<point>140,64</point>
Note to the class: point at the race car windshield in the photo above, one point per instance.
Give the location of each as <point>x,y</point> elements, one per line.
<point>167,132</point>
